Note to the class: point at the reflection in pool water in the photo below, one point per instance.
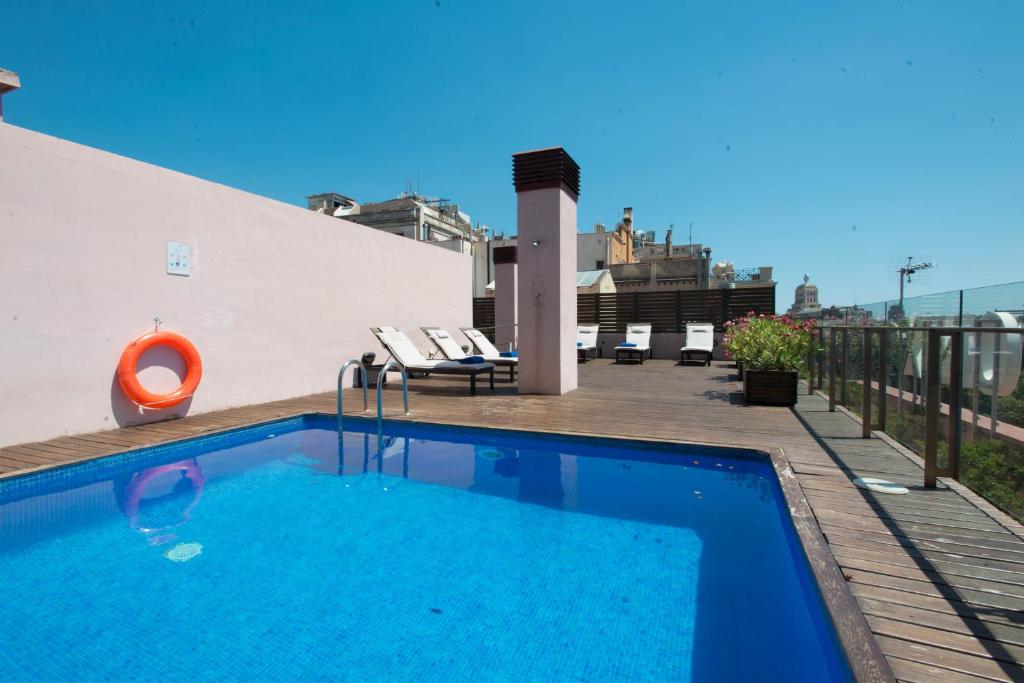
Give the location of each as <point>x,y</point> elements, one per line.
<point>161,512</point>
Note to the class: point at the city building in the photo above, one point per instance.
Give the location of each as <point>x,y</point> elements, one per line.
<point>8,81</point>
<point>601,249</point>
<point>664,265</point>
<point>411,215</point>
<point>598,250</point>
<point>667,266</point>
<point>594,282</point>
<point>483,264</point>
<point>805,301</point>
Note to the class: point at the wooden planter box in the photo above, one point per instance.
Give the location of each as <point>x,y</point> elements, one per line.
<point>770,387</point>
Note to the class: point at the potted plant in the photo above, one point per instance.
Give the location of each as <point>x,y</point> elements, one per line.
<point>771,349</point>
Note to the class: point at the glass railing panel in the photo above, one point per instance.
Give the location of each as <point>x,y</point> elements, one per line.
<point>992,419</point>
<point>982,302</point>
<point>931,310</point>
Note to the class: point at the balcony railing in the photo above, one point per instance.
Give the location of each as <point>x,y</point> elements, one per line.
<point>747,275</point>
<point>952,394</point>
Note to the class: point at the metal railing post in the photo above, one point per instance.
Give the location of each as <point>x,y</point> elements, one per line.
<point>883,377</point>
<point>821,356</point>
<point>865,398</point>
<point>832,370</point>
<point>975,384</point>
<point>956,350</point>
<point>901,359</point>
<point>846,364</point>
<point>811,353</point>
<point>931,418</point>
<point>994,412</point>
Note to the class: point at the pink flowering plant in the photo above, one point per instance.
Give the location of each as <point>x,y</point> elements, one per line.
<point>769,342</point>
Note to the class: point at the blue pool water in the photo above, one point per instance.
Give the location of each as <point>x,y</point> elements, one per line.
<point>270,553</point>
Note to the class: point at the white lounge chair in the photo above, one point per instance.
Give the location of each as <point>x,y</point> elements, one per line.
<point>586,340</point>
<point>700,340</point>
<point>410,358</point>
<point>451,350</point>
<point>638,340</point>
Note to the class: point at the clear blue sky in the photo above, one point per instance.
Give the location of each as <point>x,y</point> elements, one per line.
<point>826,139</point>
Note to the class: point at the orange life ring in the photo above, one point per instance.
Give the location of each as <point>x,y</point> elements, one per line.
<point>129,381</point>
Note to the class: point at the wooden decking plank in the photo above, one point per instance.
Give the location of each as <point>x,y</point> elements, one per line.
<point>924,544</point>
<point>997,633</point>
<point>30,459</point>
<point>909,503</point>
<point>917,672</point>
<point>983,598</point>
<point>10,465</point>
<point>1009,654</point>
<point>863,507</point>
<point>44,450</point>
<point>995,541</point>
<point>951,660</point>
<point>899,557</point>
<point>941,605</point>
<point>949,521</point>
<point>852,563</point>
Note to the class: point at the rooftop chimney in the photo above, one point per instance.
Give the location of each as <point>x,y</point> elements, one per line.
<point>8,81</point>
<point>668,243</point>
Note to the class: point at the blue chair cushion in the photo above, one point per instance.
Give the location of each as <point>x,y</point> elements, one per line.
<point>510,354</point>
<point>627,344</point>
<point>471,360</point>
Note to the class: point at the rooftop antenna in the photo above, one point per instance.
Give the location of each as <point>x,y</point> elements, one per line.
<point>691,232</point>
<point>907,271</point>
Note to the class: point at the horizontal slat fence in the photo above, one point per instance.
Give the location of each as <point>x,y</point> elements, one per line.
<point>667,311</point>
<point>483,315</point>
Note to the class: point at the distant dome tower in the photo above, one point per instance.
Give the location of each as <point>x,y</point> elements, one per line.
<point>805,300</point>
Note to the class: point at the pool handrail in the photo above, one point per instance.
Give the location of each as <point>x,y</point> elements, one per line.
<point>392,363</point>
<point>341,376</point>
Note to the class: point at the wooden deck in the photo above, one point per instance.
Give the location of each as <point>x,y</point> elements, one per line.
<point>938,574</point>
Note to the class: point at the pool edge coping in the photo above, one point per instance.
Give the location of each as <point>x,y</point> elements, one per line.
<point>863,654</point>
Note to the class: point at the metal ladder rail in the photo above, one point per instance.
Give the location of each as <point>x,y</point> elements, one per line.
<point>341,376</point>
<point>392,363</point>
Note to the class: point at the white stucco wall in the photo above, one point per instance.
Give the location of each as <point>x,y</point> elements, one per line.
<point>590,249</point>
<point>278,296</point>
<point>547,292</point>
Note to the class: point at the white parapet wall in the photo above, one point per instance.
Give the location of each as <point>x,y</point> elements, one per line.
<point>276,298</point>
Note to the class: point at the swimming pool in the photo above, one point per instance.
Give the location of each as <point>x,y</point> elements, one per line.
<point>273,553</point>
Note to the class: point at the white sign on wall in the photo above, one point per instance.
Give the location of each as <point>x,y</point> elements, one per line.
<point>178,255</point>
